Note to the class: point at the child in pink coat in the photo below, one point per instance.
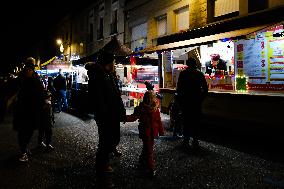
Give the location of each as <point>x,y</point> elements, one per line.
<point>150,127</point>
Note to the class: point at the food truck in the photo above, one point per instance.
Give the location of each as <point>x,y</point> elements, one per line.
<point>251,80</point>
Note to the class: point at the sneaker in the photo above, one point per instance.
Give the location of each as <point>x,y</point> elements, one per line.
<point>105,182</point>
<point>117,154</point>
<point>195,145</point>
<point>24,158</point>
<point>151,173</point>
<point>49,147</point>
<point>29,152</point>
<point>108,169</point>
<point>104,170</point>
<point>42,145</point>
<point>185,144</point>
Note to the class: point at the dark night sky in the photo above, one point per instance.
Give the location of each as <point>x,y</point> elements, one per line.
<point>24,24</point>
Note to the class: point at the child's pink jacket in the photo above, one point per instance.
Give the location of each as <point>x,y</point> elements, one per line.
<point>150,125</point>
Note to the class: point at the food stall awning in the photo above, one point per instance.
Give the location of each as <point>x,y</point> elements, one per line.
<point>203,40</point>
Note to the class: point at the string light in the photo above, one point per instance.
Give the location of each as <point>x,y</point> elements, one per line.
<point>47,62</point>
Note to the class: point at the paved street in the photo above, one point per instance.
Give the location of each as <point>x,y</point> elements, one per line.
<point>71,164</point>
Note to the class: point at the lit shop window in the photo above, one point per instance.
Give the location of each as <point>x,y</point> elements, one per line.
<point>217,63</point>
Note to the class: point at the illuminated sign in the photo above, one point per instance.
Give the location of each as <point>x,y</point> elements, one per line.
<point>75,57</point>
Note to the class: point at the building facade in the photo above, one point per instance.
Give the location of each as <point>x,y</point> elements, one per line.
<point>105,20</point>
<point>79,31</point>
<point>64,38</point>
<point>140,23</point>
<point>147,20</point>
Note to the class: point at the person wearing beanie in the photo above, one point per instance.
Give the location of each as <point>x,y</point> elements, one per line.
<point>108,110</point>
<point>191,90</point>
<point>215,64</point>
<point>30,63</point>
<point>28,106</point>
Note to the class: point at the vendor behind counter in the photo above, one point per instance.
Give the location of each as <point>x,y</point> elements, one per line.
<point>216,65</point>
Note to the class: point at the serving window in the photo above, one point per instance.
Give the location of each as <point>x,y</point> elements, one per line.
<point>251,63</point>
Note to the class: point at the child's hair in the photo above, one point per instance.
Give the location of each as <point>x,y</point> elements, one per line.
<point>150,100</point>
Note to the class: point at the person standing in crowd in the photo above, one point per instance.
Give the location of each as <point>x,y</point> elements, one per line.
<point>109,110</point>
<point>45,131</point>
<point>150,127</point>
<point>50,87</point>
<point>119,83</point>
<point>175,117</point>
<point>68,87</point>
<point>8,92</point>
<point>28,106</point>
<point>191,90</point>
<point>60,87</point>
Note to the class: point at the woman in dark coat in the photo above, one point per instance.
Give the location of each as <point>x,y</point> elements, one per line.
<point>29,106</point>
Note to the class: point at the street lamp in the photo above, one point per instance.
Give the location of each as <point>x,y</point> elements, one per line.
<point>60,43</point>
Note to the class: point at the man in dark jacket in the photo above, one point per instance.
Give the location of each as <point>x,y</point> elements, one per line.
<point>108,108</point>
<point>60,85</point>
<point>191,91</point>
<point>28,107</point>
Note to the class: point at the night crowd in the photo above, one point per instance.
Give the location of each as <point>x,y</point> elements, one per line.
<point>35,101</point>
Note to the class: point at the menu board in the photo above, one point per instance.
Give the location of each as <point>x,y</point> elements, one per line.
<point>251,58</point>
<point>276,60</point>
<point>260,57</point>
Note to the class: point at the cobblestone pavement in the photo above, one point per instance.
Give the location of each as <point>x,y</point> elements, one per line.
<point>71,164</point>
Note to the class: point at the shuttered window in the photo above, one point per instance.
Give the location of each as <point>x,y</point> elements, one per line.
<point>223,7</point>
<point>162,25</point>
<point>182,19</point>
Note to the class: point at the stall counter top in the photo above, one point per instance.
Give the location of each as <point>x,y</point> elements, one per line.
<point>131,89</point>
<point>251,93</point>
